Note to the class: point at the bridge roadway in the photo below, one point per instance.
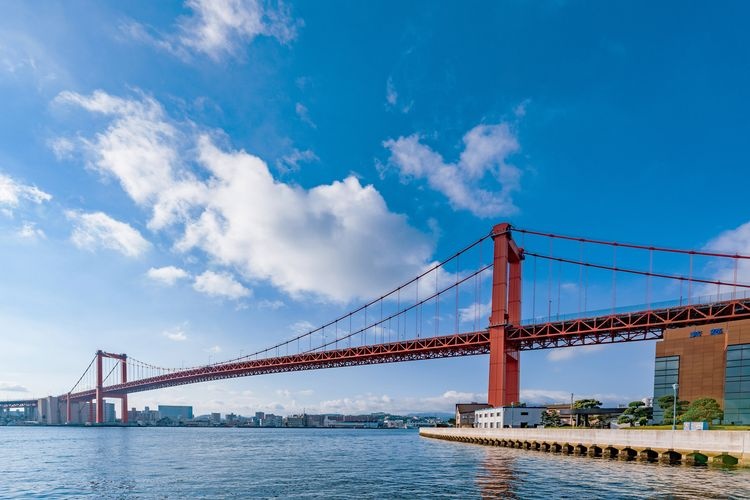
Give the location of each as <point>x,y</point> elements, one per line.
<point>624,327</point>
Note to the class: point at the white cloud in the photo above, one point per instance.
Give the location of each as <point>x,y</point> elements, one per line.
<point>12,387</point>
<point>300,327</point>
<point>99,230</point>
<point>177,334</point>
<point>214,349</point>
<point>12,192</point>
<point>486,151</point>
<point>62,148</point>
<point>303,241</point>
<point>220,285</point>
<point>167,275</point>
<point>304,114</point>
<point>391,96</point>
<point>220,28</point>
<point>476,312</point>
<point>567,353</point>
<point>29,231</point>
<point>290,163</point>
<point>270,304</point>
<point>392,100</point>
<point>733,241</point>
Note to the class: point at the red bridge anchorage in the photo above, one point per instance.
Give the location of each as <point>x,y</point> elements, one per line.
<point>503,339</point>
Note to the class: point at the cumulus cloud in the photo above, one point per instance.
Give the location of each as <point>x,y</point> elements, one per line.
<point>220,285</point>
<point>98,230</point>
<point>220,28</point>
<point>167,275</point>
<point>337,241</point>
<point>476,312</point>
<point>214,349</point>
<point>733,241</point>
<point>300,327</point>
<point>177,334</point>
<point>29,231</point>
<point>487,149</point>
<point>12,387</point>
<point>12,192</point>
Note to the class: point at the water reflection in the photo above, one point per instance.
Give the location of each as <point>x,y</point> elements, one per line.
<point>496,475</point>
<point>512,473</point>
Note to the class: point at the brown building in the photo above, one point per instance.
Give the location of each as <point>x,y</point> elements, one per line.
<point>465,413</point>
<point>712,361</point>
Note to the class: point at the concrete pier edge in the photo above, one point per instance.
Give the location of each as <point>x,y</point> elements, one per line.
<point>723,448</point>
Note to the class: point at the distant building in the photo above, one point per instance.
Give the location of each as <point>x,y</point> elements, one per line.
<point>294,421</point>
<point>48,411</point>
<point>216,418</point>
<point>314,420</point>
<point>176,413</point>
<point>711,361</point>
<point>271,420</point>
<point>508,416</point>
<point>567,417</point>
<point>465,413</point>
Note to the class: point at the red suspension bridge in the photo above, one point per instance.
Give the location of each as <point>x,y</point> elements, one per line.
<point>442,313</point>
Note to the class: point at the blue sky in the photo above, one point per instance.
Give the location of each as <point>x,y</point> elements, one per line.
<point>191,181</point>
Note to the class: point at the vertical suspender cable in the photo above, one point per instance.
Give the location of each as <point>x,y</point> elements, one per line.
<point>690,280</point>
<point>416,308</point>
<point>559,286</point>
<point>580,276</point>
<point>549,283</point>
<point>614,278</point>
<point>533,295</point>
<point>648,278</point>
<point>457,273</point>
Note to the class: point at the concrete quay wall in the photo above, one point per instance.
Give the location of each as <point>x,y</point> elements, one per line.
<point>686,447</point>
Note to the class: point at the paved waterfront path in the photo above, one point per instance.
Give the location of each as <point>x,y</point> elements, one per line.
<point>688,447</point>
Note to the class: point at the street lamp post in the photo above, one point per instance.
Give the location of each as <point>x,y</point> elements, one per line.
<point>674,407</point>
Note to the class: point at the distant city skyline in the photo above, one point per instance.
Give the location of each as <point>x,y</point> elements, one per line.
<point>186,189</point>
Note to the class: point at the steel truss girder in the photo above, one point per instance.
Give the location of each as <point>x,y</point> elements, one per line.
<point>21,403</point>
<point>625,327</point>
<point>465,344</point>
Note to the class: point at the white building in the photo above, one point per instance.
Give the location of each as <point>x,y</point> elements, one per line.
<point>508,416</point>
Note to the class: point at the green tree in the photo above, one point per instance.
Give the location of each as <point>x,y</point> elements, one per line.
<point>585,404</point>
<point>551,418</point>
<point>666,403</point>
<point>703,409</point>
<point>637,413</point>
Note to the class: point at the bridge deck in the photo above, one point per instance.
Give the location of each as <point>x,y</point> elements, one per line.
<point>624,327</point>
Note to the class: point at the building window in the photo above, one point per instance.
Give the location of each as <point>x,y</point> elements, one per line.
<point>666,373</point>
<point>696,333</point>
<point>717,331</point>
<point>737,385</point>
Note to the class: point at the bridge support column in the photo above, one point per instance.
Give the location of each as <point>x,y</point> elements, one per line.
<point>99,389</point>
<point>124,397</point>
<point>504,383</point>
<point>68,412</point>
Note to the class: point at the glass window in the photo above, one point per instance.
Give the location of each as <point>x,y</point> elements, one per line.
<point>731,387</point>
<point>733,354</point>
